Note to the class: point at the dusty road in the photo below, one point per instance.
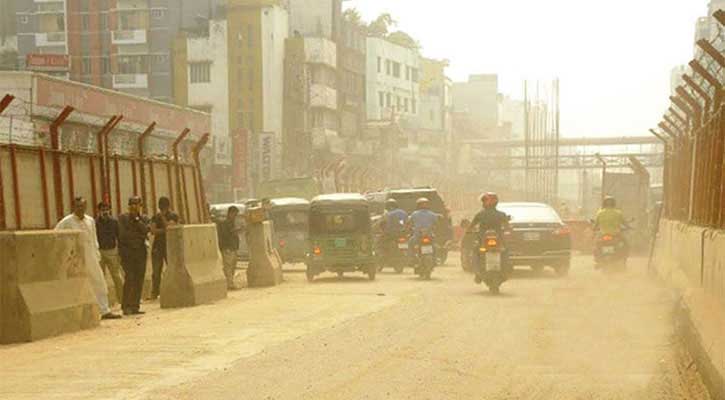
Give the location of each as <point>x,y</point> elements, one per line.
<point>584,337</point>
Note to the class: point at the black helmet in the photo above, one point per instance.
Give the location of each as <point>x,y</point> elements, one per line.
<point>609,202</point>
<point>391,204</point>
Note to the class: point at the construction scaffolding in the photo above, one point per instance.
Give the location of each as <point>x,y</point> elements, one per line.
<point>541,139</point>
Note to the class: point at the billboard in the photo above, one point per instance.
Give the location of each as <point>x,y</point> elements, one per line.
<point>222,150</point>
<point>265,154</point>
<point>47,62</point>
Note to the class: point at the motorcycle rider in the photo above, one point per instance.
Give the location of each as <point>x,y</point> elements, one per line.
<point>394,220</point>
<point>490,218</point>
<point>610,221</point>
<point>422,219</point>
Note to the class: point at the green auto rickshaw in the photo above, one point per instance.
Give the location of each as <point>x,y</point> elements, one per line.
<point>340,236</point>
<point>291,228</point>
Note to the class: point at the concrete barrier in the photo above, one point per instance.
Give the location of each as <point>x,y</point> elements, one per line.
<point>194,272</point>
<point>692,261</point>
<point>265,264</point>
<point>44,288</point>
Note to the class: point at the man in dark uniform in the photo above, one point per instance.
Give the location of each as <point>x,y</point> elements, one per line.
<point>159,223</point>
<point>132,236</point>
<point>491,219</point>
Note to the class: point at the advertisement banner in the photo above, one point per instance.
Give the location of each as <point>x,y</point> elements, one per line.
<point>240,159</point>
<point>266,152</point>
<point>222,150</point>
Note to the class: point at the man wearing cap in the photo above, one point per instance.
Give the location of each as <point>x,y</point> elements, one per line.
<point>133,232</point>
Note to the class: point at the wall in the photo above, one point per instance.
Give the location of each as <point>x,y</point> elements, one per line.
<point>692,261</point>
<point>479,97</point>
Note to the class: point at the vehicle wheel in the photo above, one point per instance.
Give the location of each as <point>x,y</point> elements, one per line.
<point>399,269</point>
<point>340,274</point>
<point>372,272</point>
<point>380,268</point>
<point>310,275</point>
<point>495,289</point>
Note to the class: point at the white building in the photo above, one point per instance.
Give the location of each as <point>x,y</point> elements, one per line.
<point>208,83</point>
<point>479,98</point>
<point>393,87</point>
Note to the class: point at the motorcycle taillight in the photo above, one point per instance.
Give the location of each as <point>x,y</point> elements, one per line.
<point>426,240</point>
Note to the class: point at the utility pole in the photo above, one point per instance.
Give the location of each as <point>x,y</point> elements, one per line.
<point>527,138</point>
<point>557,138</point>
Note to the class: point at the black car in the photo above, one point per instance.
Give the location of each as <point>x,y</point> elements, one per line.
<point>538,237</point>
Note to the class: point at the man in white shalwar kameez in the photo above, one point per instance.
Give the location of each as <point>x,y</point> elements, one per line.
<point>79,221</point>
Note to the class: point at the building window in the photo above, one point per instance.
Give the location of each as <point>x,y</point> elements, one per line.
<point>86,66</point>
<point>105,65</point>
<point>414,74</point>
<point>157,13</point>
<point>381,97</point>
<point>200,72</point>
<point>380,65</point>
<point>85,22</point>
<point>23,19</point>
<point>388,67</point>
<point>396,70</point>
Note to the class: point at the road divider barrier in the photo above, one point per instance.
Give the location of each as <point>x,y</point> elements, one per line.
<point>44,287</point>
<point>194,272</point>
<point>265,264</point>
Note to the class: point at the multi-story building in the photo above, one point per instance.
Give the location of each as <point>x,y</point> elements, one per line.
<point>707,27</point>
<point>118,44</point>
<point>257,31</point>
<point>201,81</point>
<point>393,75</point>
<point>8,36</point>
<point>311,116</point>
<point>479,98</point>
<point>435,97</point>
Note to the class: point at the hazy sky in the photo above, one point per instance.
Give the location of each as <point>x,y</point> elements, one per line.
<point>613,57</point>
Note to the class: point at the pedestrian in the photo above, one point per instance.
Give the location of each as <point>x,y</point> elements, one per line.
<point>228,232</point>
<point>107,234</point>
<point>162,220</point>
<point>79,221</point>
<point>133,233</point>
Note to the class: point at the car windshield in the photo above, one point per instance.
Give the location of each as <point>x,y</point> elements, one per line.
<point>530,213</point>
<point>339,222</point>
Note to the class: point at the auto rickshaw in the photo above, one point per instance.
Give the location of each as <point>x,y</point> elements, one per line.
<point>291,228</point>
<point>341,237</point>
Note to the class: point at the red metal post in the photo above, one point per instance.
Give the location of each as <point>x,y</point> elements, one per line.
<point>16,187</point>
<point>71,182</point>
<point>175,149</point>
<point>142,164</point>
<point>694,105</point>
<point>107,165</point>
<point>94,196</point>
<point>5,102</point>
<point>201,194</point>
<point>100,142</point>
<point>44,183</point>
<point>701,92</point>
<point>55,145</point>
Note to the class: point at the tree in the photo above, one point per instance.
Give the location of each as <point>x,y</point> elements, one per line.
<point>380,27</point>
<point>403,39</point>
<point>352,15</point>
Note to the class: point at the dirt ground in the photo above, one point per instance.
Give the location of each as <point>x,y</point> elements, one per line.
<point>587,336</point>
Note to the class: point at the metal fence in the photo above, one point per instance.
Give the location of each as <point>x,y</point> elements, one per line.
<point>693,129</point>
<point>38,182</point>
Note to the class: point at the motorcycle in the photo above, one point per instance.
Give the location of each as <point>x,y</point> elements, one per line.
<point>491,268</point>
<point>425,258</point>
<point>611,253</point>
<point>395,253</point>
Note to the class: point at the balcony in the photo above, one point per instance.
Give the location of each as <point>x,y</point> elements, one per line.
<point>47,39</point>
<point>130,81</point>
<point>323,96</point>
<point>135,36</point>
<point>321,51</point>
